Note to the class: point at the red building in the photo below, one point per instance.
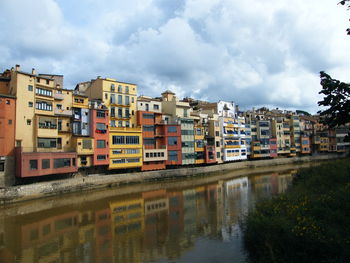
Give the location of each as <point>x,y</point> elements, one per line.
<point>31,164</point>
<point>273,147</point>
<point>210,153</point>
<point>305,145</point>
<point>172,133</point>
<point>7,138</point>
<point>100,133</point>
<point>149,117</point>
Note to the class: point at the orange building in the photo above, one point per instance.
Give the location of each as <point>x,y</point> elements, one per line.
<point>7,138</point>
<point>149,117</point>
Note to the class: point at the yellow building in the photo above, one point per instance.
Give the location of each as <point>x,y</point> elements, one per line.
<point>125,138</point>
<point>42,124</point>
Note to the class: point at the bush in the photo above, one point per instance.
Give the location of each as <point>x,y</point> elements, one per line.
<point>309,223</point>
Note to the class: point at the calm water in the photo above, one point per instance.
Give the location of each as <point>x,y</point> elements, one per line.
<point>194,220</point>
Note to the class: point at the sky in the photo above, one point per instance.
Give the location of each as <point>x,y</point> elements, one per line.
<point>255,53</point>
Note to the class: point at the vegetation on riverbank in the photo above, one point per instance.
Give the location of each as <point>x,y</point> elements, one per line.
<point>309,223</point>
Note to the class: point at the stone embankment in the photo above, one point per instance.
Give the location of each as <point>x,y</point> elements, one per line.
<point>45,189</point>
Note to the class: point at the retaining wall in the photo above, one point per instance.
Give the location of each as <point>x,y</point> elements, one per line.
<point>39,190</point>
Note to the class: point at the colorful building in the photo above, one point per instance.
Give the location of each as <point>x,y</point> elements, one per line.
<point>149,117</point>
<point>7,139</point>
<point>125,137</point>
<point>42,148</point>
<point>99,132</point>
<point>180,113</point>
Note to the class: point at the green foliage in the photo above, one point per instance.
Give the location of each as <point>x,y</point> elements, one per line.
<point>309,223</point>
<point>346,2</point>
<point>337,95</point>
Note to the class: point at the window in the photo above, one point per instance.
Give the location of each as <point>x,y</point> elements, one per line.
<point>132,99</point>
<point>30,88</point>
<point>218,155</point>
<point>33,164</point>
<point>120,99</point>
<point>120,123</point>
<point>120,112</point>
<point>101,126</point>
<point>45,163</point>
<point>112,99</point>
<point>132,139</point>
<point>61,162</point>
<point>30,104</point>
<point>120,89</point>
<point>149,128</point>
<point>173,156</point>
<point>47,143</point>
<point>127,100</point>
<point>156,107</point>
<point>217,133</point>
<point>87,144</point>
<point>126,89</point>
<point>132,151</point>
<point>118,139</point>
<point>133,160</point>
<point>172,129</point>
<point>106,96</point>
<point>59,106</point>
<point>127,124</point>
<point>148,116</point>
<point>101,144</point>
<point>10,122</point>
<point>148,141</point>
<point>127,113</point>
<point>29,122</point>
<point>47,82</point>
<point>117,151</point>
<point>112,87</point>
<point>187,132</point>
<point>100,114</point>
<point>43,92</point>
<point>43,105</point>
<point>185,112</point>
<point>172,140</point>
<point>2,166</point>
<point>101,157</point>
<point>217,144</point>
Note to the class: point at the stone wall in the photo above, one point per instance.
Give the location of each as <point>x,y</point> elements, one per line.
<point>45,189</point>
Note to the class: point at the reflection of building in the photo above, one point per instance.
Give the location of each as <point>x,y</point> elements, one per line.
<point>235,204</point>
<point>103,236</point>
<point>127,228</point>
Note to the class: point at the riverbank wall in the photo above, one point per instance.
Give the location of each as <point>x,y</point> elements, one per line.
<point>33,191</point>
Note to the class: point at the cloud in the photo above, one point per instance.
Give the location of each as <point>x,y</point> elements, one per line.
<point>254,53</point>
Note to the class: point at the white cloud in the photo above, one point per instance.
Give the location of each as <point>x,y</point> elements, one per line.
<point>255,53</point>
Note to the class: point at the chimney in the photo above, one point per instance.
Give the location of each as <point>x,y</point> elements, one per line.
<point>18,67</point>
<point>33,71</point>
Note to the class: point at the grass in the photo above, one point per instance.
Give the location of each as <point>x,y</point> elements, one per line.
<point>309,223</point>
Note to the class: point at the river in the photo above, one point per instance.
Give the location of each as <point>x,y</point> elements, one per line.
<point>187,220</point>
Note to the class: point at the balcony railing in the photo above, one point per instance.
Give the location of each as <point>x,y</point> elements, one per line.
<point>58,96</point>
<point>63,112</point>
<point>101,131</point>
<point>45,126</point>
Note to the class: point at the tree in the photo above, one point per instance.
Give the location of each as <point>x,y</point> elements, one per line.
<point>337,99</point>
<point>347,3</point>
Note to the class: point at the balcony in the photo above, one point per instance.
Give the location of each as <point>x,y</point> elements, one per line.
<point>61,112</point>
<point>100,131</point>
<point>125,129</point>
<point>150,155</point>
<point>58,96</point>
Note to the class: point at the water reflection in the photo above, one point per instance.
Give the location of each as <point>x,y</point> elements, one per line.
<point>194,224</point>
